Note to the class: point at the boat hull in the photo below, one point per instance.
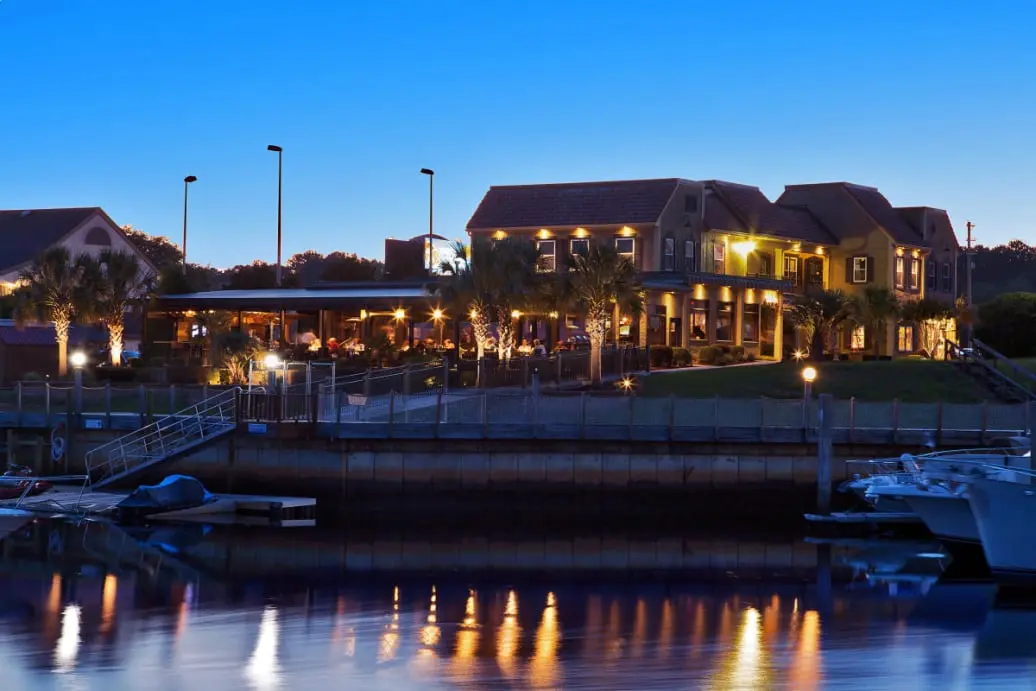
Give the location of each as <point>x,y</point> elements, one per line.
<point>1005,513</point>
<point>947,516</point>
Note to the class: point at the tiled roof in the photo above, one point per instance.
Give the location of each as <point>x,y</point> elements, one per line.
<point>25,234</point>
<point>757,214</point>
<point>879,208</point>
<point>573,204</point>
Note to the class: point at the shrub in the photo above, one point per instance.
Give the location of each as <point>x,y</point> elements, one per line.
<point>32,376</point>
<point>681,357</point>
<point>661,356</point>
<point>710,355</point>
<point>1008,324</point>
<point>737,353</point>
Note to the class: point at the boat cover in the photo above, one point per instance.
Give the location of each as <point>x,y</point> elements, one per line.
<point>173,493</point>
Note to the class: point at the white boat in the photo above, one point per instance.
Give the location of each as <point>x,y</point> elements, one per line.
<point>1005,513</point>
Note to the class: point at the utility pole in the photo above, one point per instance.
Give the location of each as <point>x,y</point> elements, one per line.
<point>967,274</point>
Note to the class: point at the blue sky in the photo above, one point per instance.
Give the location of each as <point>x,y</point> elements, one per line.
<point>113,102</point>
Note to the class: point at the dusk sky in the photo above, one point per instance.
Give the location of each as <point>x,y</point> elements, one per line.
<point>112,102</point>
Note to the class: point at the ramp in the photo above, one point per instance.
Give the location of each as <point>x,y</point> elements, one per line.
<point>163,440</point>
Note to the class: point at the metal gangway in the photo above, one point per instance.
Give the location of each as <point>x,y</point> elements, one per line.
<point>166,438</point>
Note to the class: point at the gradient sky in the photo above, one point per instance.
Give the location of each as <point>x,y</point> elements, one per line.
<point>113,102</point>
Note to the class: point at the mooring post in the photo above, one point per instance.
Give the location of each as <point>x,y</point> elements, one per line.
<point>824,428</point>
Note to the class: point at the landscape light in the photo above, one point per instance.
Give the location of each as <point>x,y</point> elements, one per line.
<point>272,361</point>
<point>78,358</point>
<point>809,374</point>
<point>437,314</point>
<point>400,314</point>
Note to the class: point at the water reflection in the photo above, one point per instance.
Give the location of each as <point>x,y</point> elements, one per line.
<point>67,650</point>
<point>197,627</point>
<point>263,671</point>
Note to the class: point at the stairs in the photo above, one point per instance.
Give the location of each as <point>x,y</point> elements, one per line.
<point>167,438</point>
<point>1003,377</point>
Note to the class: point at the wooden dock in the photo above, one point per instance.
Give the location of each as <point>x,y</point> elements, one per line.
<point>63,500</point>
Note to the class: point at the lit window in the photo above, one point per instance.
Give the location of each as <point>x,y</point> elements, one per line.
<point>688,255</point>
<point>791,268</point>
<point>900,269</point>
<point>199,331</point>
<point>859,269</point>
<point>669,256</point>
<point>915,274</point>
<point>858,338</point>
<point>719,258</point>
<point>947,278</point>
<point>579,247</point>
<point>547,260</point>
<point>625,247</point>
<point>905,339</point>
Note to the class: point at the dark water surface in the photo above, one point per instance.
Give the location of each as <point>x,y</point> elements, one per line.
<point>98,607</point>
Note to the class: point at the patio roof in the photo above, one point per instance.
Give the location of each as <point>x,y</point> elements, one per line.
<point>659,280</point>
<point>341,296</point>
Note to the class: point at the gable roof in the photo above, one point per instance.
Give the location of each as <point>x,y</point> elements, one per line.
<point>883,213</point>
<point>573,204</point>
<point>24,235</point>
<point>937,219</point>
<point>755,213</point>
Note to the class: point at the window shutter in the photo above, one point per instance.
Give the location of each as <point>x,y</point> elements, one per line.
<point>870,269</point>
<point>935,275</point>
<point>848,269</point>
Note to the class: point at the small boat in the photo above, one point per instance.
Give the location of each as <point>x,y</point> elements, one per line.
<point>15,483</point>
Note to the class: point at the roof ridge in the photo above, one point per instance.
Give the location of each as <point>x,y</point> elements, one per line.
<point>55,208</point>
<point>584,184</point>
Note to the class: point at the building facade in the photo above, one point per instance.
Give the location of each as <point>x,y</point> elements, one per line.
<point>719,261</point>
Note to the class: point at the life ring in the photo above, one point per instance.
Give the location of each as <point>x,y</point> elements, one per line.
<point>57,442</point>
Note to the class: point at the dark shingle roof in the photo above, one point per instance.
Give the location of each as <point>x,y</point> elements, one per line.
<point>573,204</point>
<point>757,214</point>
<point>879,208</point>
<point>937,220</point>
<point>24,235</point>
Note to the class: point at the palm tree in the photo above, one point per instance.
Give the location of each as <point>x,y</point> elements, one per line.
<point>600,279</point>
<point>467,287</point>
<point>55,289</point>
<point>122,282</point>
<point>873,308</point>
<point>818,313</point>
<point>927,315</point>
<point>512,265</point>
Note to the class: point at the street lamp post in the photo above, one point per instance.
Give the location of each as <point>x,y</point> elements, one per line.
<point>809,375</point>
<point>431,198</point>
<point>277,270</point>
<point>186,181</point>
<point>280,170</point>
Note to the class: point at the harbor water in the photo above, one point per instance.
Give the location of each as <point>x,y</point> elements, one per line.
<point>95,606</point>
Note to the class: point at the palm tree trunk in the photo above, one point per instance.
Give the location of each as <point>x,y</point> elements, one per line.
<point>61,336</point>
<point>595,326</point>
<point>505,327</point>
<point>480,332</point>
<point>116,329</point>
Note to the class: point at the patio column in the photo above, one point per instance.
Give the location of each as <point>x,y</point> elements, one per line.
<point>778,334</point>
<point>667,302</point>
<point>713,313</point>
<point>739,315</point>
<point>615,323</point>
<point>685,319</point>
<point>642,328</point>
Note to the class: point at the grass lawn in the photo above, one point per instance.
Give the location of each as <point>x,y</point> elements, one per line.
<point>907,380</point>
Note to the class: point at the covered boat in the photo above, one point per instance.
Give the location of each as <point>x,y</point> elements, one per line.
<point>174,493</point>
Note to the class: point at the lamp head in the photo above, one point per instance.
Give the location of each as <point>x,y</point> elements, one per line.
<point>274,147</point>
<point>437,314</point>
<point>77,359</point>
<point>809,374</point>
<point>272,361</point>
<point>427,171</point>
<point>400,314</point>
<point>190,178</point>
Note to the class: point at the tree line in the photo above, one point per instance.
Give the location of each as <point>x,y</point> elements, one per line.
<point>301,270</point>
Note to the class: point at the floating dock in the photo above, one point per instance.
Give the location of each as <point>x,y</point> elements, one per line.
<point>286,511</point>
<point>884,518</point>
